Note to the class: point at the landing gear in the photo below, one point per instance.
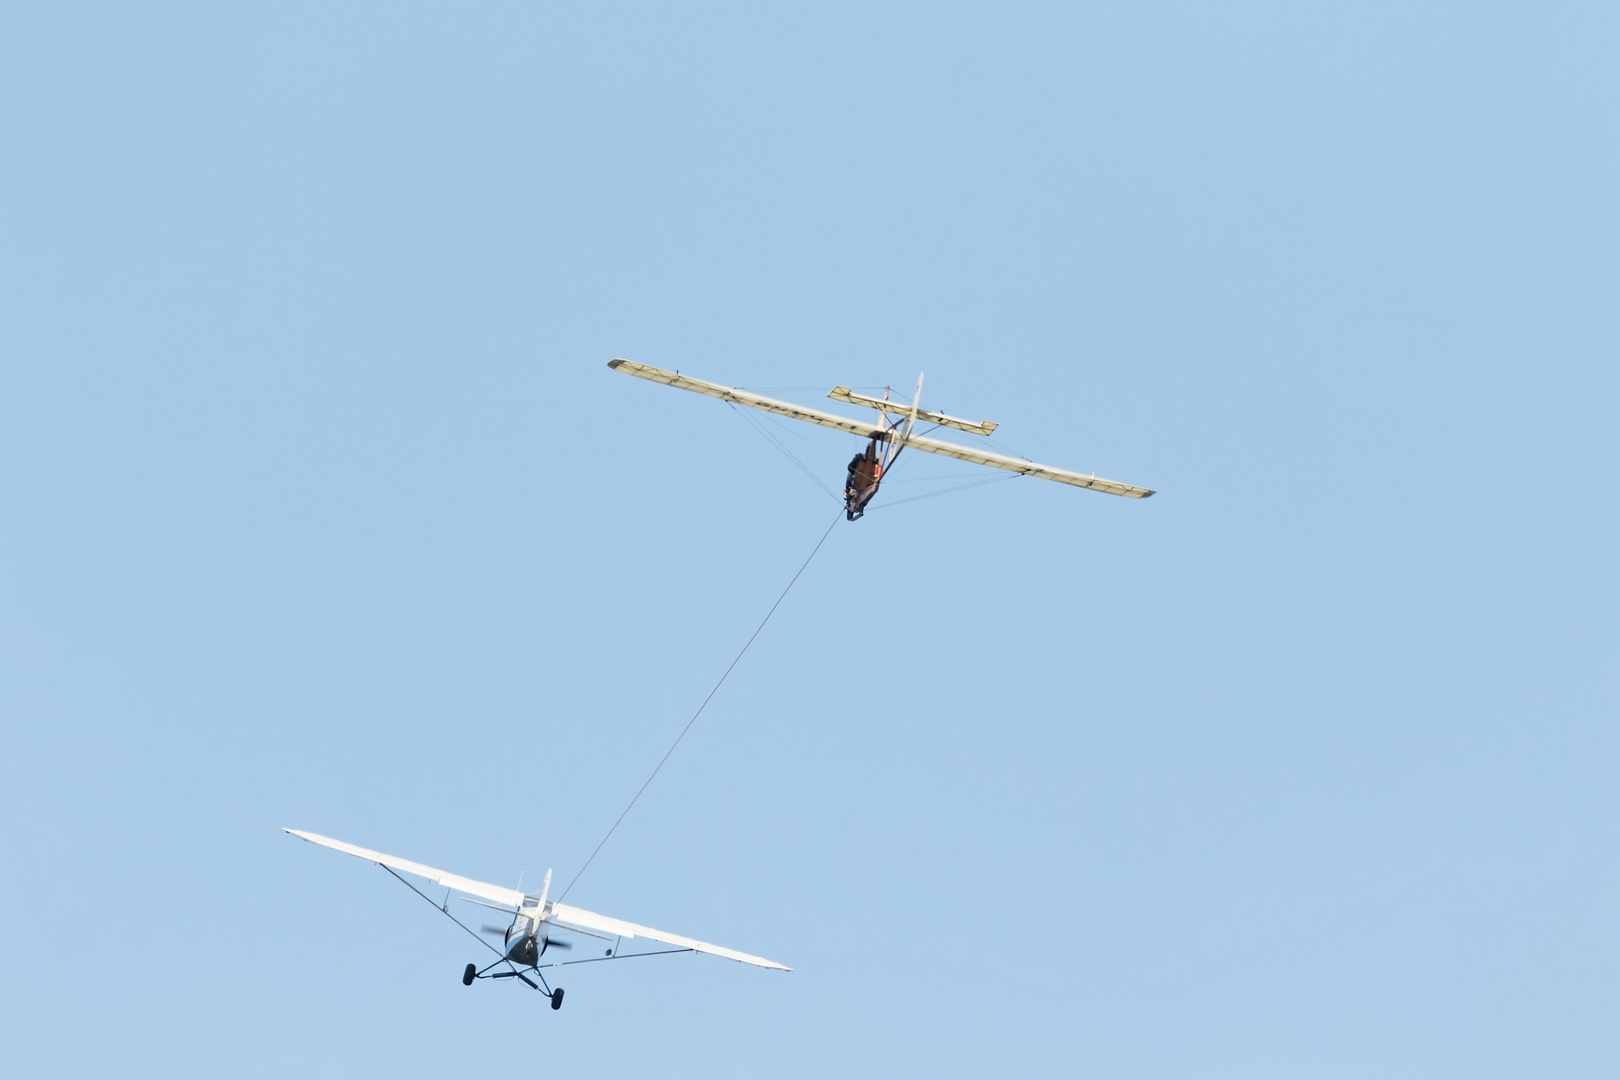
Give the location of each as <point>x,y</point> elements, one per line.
<point>472,973</point>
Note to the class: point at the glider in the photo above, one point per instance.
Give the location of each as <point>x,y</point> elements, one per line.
<point>534,920</point>
<point>887,437</point>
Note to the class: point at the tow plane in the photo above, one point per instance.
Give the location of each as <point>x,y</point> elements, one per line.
<point>538,925</point>
<point>890,433</point>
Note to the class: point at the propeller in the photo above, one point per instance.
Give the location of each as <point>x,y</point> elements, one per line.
<point>486,928</point>
<point>548,942</point>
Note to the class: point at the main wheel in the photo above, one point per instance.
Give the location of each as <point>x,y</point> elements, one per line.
<point>556,998</point>
<point>469,975</point>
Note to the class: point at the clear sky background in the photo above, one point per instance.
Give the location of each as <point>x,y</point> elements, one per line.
<point>320,508</point>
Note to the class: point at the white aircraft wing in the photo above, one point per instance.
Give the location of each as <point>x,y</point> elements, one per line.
<point>1028,468</point>
<point>590,920</point>
<point>498,893</point>
<point>742,397</point>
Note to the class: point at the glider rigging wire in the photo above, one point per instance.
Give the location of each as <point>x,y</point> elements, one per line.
<point>757,425</point>
<point>950,491</point>
<point>700,708</point>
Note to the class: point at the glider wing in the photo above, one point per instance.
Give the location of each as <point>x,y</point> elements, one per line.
<point>743,397</point>
<point>1028,468</point>
<point>867,430</point>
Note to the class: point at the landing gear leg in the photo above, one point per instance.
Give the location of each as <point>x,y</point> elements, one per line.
<point>554,994</point>
<point>472,972</point>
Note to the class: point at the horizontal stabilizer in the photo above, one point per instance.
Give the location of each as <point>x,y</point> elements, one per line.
<point>508,908</point>
<point>900,408</point>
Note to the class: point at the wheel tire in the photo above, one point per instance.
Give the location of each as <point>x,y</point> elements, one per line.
<point>469,975</point>
<point>556,998</point>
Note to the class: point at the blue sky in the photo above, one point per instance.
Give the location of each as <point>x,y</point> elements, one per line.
<point>323,510</point>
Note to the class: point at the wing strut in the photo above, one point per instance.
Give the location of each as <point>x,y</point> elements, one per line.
<point>445,911</point>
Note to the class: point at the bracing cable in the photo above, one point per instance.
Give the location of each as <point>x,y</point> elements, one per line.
<point>755,423</point>
<point>948,491</point>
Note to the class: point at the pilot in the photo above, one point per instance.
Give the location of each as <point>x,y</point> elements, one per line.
<point>862,477</point>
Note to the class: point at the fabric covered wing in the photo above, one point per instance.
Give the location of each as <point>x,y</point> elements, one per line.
<point>743,397</point>
<point>1028,468</point>
<point>498,893</point>
<point>566,915</point>
<point>868,430</point>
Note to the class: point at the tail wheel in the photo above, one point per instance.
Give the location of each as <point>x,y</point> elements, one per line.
<point>470,974</point>
<point>556,998</point>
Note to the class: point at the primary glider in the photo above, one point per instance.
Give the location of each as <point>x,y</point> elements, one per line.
<point>534,920</point>
<point>886,438</point>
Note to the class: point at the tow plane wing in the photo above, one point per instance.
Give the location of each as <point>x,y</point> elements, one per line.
<point>498,893</point>
<point>567,915</point>
<point>560,914</point>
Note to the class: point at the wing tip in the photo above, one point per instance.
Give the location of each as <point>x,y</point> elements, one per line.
<point>616,363</point>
